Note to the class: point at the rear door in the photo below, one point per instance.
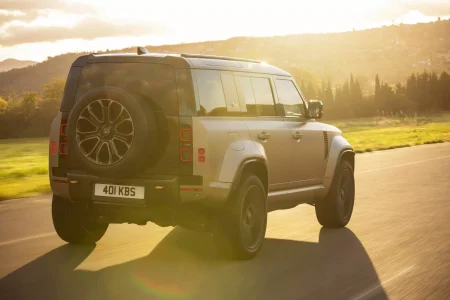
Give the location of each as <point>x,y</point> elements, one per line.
<point>267,128</point>
<point>306,136</point>
<point>156,85</point>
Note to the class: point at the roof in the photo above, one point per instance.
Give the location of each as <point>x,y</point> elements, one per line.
<point>193,61</point>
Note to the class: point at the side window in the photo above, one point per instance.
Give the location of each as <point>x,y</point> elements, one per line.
<point>246,96</point>
<point>264,98</point>
<point>290,98</point>
<point>211,94</point>
<point>231,95</point>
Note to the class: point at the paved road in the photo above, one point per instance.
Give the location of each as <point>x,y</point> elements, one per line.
<point>396,246</point>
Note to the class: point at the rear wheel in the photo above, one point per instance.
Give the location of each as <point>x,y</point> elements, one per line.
<point>336,209</point>
<point>240,231</point>
<point>73,224</point>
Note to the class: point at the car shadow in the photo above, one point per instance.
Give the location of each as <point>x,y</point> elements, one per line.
<point>185,265</point>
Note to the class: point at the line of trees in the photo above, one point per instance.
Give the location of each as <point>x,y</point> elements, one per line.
<point>425,92</point>
<point>31,114</point>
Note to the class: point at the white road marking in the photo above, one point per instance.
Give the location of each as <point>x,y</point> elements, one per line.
<point>27,238</point>
<point>401,165</point>
<point>406,270</point>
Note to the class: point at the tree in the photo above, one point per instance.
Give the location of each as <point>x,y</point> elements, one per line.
<point>54,89</point>
<point>352,89</point>
<point>443,93</point>
<point>29,102</point>
<point>377,88</point>
<point>3,105</point>
<point>411,89</point>
<point>12,98</point>
<point>432,89</point>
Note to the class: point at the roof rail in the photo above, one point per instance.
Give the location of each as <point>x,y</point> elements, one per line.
<point>219,57</point>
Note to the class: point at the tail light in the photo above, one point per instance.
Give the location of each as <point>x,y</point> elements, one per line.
<point>186,155</point>
<point>63,143</point>
<point>53,147</point>
<point>63,147</point>
<point>201,155</point>
<point>185,135</point>
<point>185,144</point>
<point>62,130</point>
<point>186,140</point>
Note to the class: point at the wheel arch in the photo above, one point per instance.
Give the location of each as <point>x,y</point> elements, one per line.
<point>253,165</point>
<point>348,155</point>
<point>340,150</point>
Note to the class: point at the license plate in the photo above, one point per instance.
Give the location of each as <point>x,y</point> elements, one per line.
<point>119,191</point>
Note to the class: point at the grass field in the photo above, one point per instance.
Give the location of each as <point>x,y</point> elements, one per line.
<point>370,134</point>
<point>23,167</point>
<point>23,162</point>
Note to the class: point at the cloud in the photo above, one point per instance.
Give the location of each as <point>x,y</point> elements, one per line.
<point>394,9</point>
<point>427,7</point>
<point>9,16</point>
<point>28,10</point>
<point>88,29</point>
<point>32,5</point>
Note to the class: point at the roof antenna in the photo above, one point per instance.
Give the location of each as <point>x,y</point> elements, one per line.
<point>142,50</point>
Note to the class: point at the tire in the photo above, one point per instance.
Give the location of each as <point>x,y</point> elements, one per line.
<point>336,209</point>
<point>71,223</point>
<point>111,133</point>
<point>245,217</point>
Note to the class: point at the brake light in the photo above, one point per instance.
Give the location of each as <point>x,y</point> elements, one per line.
<point>63,148</point>
<point>185,155</point>
<point>185,135</point>
<point>201,155</point>
<point>62,130</point>
<point>63,143</point>
<point>185,142</point>
<point>52,147</point>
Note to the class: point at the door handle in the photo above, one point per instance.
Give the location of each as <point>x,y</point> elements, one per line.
<point>297,136</point>
<point>263,136</point>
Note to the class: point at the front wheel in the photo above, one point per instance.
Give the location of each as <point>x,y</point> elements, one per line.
<point>241,230</point>
<point>336,209</point>
<point>73,225</point>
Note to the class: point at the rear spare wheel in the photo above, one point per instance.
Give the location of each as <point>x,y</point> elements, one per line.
<point>111,133</point>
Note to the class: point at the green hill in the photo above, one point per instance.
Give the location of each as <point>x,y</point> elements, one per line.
<point>393,52</point>
<point>10,63</point>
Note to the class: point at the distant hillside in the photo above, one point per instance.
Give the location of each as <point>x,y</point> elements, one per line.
<point>10,63</point>
<point>394,52</point>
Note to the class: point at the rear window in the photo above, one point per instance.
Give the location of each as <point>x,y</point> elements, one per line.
<point>155,83</point>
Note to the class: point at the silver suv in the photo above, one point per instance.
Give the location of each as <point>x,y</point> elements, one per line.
<point>208,143</point>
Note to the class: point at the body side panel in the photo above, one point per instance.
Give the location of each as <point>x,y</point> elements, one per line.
<point>225,143</point>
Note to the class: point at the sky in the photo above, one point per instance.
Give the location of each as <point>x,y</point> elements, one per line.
<point>36,29</point>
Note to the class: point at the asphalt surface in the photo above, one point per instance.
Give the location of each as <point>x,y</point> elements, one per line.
<point>396,246</point>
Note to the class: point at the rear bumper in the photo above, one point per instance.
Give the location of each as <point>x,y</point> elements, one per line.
<point>166,198</point>
<point>158,191</point>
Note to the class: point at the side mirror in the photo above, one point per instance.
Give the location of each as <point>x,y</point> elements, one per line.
<point>315,109</point>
